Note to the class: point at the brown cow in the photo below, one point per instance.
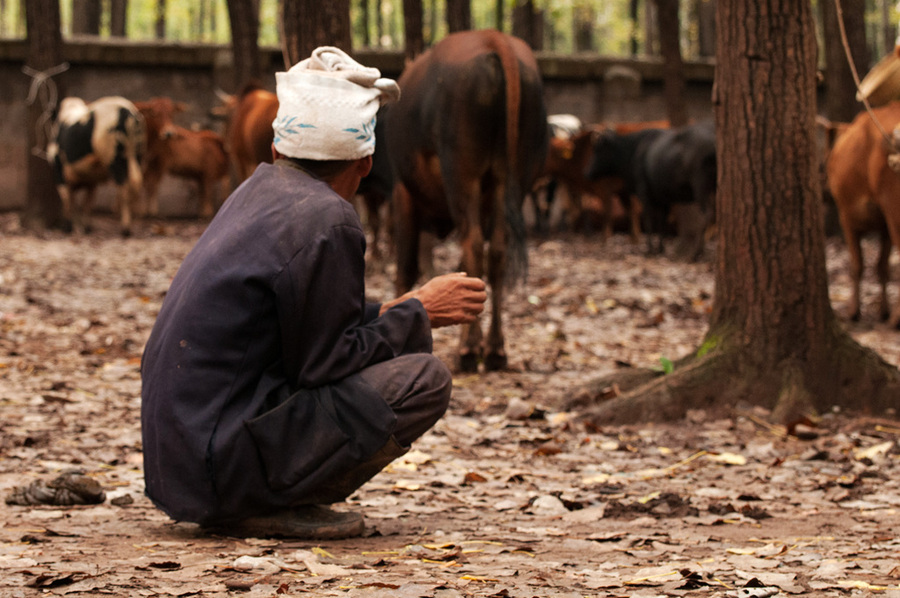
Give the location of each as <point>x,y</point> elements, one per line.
<point>199,156</point>
<point>158,113</point>
<point>867,194</point>
<point>466,140</point>
<point>248,132</point>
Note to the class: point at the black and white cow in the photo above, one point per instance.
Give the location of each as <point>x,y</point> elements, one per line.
<point>93,143</point>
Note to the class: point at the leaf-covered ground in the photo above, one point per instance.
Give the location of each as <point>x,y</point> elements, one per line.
<point>507,496</point>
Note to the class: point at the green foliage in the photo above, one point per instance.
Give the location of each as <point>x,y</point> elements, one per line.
<point>666,366</point>
<point>711,342</point>
<point>612,30</point>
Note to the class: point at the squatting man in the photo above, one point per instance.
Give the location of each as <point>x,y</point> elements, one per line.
<point>271,388</point>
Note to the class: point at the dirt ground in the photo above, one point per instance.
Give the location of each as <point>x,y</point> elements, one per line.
<point>506,496</point>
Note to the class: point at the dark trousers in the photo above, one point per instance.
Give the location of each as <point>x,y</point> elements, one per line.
<point>417,387</point>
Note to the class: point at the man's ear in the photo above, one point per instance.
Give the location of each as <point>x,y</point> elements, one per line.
<point>364,166</point>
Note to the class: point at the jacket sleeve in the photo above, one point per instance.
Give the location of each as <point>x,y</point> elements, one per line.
<point>328,331</point>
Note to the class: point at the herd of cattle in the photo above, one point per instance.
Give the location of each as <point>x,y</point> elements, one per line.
<point>469,139</point>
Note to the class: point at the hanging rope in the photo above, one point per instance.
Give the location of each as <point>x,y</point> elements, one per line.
<point>840,19</point>
<point>43,89</point>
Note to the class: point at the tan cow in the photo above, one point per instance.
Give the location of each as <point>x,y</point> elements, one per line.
<point>867,194</point>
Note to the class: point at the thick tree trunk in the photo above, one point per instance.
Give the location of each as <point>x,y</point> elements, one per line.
<point>673,65</point>
<point>840,99</point>
<point>413,42</point>
<point>309,24</point>
<point>244,18</point>
<point>773,338</point>
<point>43,207</point>
<point>459,15</point>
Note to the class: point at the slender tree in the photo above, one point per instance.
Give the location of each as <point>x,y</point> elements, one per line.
<point>673,65</point>
<point>583,26</point>
<point>86,17</point>
<point>44,54</point>
<point>773,338</point>
<point>309,24</point>
<point>528,23</point>
<point>243,15</point>
<point>459,15</point>
<point>160,19</point>
<point>840,99</point>
<point>118,17</point>
<point>413,42</point>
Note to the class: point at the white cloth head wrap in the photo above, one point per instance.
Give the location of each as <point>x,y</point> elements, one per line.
<point>327,105</point>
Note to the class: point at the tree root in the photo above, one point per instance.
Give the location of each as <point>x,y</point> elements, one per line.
<point>844,375</point>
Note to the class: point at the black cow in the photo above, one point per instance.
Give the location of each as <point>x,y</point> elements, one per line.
<point>466,141</point>
<point>91,144</point>
<point>664,168</point>
<point>678,167</point>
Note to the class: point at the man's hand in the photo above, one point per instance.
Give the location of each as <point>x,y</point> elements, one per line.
<point>449,299</point>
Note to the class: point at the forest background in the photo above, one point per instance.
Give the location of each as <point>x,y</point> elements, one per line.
<point>606,27</point>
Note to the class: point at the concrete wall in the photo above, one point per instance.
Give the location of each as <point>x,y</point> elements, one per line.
<point>593,88</point>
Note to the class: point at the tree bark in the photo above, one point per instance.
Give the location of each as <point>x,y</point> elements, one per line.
<point>86,17</point>
<point>309,24</point>
<point>583,26</point>
<point>840,99</point>
<point>43,207</point>
<point>413,42</point>
<point>118,18</point>
<point>527,24</point>
<point>160,19</point>
<point>673,65</point>
<point>243,15</point>
<point>773,338</point>
<point>459,15</point>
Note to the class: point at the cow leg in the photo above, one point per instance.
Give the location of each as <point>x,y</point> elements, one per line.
<point>407,239</point>
<point>65,195</point>
<point>472,263</point>
<point>854,251</point>
<point>884,273</point>
<point>633,209</point>
<point>206,202</point>
<point>495,349</point>
<point>126,201</point>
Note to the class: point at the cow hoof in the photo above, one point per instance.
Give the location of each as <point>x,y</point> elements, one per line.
<point>495,362</point>
<point>468,363</point>
<point>126,233</point>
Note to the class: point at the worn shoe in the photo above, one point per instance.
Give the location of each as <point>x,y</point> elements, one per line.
<point>73,487</point>
<point>310,522</point>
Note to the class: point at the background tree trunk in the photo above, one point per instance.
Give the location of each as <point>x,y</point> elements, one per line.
<point>528,24</point>
<point>773,338</point>
<point>244,18</point>
<point>118,18</point>
<point>86,17</point>
<point>840,96</point>
<point>160,19</point>
<point>583,26</point>
<point>309,24</point>
<point>459,15</point>
<point>413,42</point>
<point>43,207</point>
<point>673,65</point>
<point>365,23</point>
<point>499,14</point>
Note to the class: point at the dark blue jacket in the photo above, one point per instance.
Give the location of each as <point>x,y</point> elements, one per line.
<point>248,398</point>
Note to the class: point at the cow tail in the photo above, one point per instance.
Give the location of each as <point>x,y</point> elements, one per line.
<point>516,251</point>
